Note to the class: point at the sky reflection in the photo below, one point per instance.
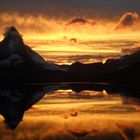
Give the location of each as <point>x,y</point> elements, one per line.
<point>65,113</point>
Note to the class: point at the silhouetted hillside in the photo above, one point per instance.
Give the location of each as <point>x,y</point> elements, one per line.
<point>124,70</point>
<point>20,64</point>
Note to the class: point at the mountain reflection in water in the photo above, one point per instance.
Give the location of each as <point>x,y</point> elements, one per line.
<point>14,101</point>
<point>67,100</point>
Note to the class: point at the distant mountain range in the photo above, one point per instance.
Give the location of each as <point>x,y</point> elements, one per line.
<point>20,64</point>
<point>125,70</point>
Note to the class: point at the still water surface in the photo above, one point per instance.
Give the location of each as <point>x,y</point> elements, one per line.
<point>69,111</point>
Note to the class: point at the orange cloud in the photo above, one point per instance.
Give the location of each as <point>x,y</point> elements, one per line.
<point>132,49</point>
<point>127,20</point>
<point>40,27</point>
<point>26,23</point>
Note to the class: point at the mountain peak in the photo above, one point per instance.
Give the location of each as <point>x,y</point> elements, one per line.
<point>12,31</point>
<point>12,36</point>
<point>12,28</point>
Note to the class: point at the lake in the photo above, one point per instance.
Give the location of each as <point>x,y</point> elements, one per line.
<point>69,111</point>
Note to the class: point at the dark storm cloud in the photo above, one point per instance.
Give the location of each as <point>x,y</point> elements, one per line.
<point>82,21</point>
<point>77,20</point>
<point>127,20</point>
<point>66,8</point>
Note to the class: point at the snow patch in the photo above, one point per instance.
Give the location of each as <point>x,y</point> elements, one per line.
<point>39,60</point>
<point>14,59</point>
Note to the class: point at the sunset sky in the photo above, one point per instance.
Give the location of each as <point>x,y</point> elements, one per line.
<point>65,31</point>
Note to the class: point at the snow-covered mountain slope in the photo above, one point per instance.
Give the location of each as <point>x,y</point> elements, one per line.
<point>13,52</point>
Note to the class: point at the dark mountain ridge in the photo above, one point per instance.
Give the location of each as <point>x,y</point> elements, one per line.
<point>20,64</point>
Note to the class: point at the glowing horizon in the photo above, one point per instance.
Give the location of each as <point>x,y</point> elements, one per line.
<point>76,36</point>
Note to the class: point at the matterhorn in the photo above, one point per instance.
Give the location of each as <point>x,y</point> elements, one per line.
<point>19,63</point>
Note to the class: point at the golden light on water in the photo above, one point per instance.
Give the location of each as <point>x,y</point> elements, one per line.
<point>98,116</point>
